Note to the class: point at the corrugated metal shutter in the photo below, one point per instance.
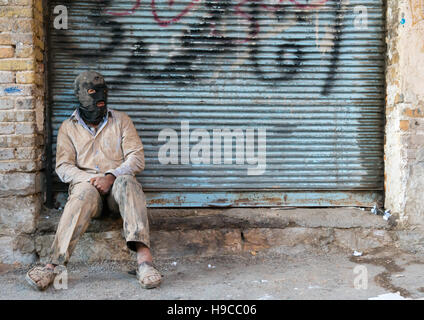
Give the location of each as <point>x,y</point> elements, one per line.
<point>310,72</point>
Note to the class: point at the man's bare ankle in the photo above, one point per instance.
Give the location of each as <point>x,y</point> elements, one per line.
<point>140,261</point>
<point>143,253</point>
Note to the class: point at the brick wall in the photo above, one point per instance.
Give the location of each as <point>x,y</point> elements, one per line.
<point>21,126</point>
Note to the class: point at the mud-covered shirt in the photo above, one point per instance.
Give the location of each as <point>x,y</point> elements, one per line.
<point>114,148</point>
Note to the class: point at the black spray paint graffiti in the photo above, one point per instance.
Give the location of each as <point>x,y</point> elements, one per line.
<point>201,40</point>
<point>98,18</point>
<point>196,42</point>
<point>288,68</point>
<point>336,49</point>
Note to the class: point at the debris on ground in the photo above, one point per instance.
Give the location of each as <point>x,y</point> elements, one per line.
<point>387,215</point>
<point>380,212</point>
<point>357,253</point>
<point>374,210</point>
<point>389,296</point>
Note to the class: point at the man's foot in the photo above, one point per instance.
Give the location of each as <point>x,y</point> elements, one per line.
<point>148,276</point>
<point>41,278</point>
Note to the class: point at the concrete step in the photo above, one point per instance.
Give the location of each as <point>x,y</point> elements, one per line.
<point>212,232</point>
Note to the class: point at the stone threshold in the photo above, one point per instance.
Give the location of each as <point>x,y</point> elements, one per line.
<point>200,219</point>
<point>212,232</point>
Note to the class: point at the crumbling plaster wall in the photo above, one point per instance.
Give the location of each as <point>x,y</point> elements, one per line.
<point>404,137</point>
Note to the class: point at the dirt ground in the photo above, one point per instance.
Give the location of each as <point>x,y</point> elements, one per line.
<point>277,274</point>
<point>281,273</point>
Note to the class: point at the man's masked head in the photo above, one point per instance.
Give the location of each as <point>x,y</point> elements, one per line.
<point>91,91</point>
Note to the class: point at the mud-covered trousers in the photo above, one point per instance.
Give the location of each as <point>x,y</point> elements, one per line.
<point>85,202</point>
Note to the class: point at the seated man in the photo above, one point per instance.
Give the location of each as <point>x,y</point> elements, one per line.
<point>98,153</point>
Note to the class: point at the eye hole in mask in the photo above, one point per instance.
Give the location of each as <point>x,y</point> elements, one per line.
<point>93,91</point>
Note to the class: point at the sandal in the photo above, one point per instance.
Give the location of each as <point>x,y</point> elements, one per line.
<point>148,276</point>
<point>40,277</point>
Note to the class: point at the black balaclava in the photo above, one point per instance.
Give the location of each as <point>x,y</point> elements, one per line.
<point>88,109</point>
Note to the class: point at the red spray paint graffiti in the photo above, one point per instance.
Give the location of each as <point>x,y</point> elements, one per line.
<point>203,38</point>
<point>126,13</point>
<point>239,11</point>
<point>192,4</point>
<point>165,23</point>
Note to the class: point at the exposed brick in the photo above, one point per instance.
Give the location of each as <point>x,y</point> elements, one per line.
<point>404,125</point>
<point>5,39</point>
<point>19,214</point>
<point>25,116</point>
<point>5,25</point>
<point>7,116</point>
<point>6,103</point>
<point>20,166</point>
<point>17,25</point>
<point>22,25</point>
<point>16,64</point>
<point>6,52</point>
<point>17,89</point>
<point>7,153</point>
<point>28,153</point>
<point>25,128</point>
<point>7,76</point>
<point>414,113</point>
<point>25,103</point>
<point>21,150</point>
<point>19,183</point>
<point>25,77</point>
<point>24,38</point>
<point>16,2</point>
<point>12,141</point>
<point>23,50</point>
<point>15,11</point>
<point>7,127</point>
